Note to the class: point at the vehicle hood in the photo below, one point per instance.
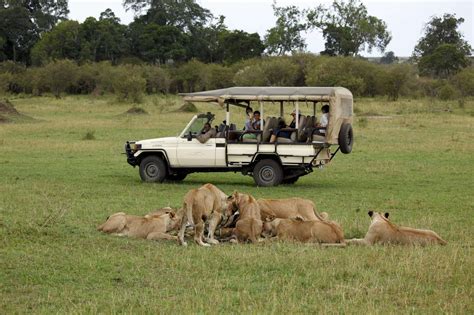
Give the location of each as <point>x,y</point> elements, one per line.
<point>157,142</point>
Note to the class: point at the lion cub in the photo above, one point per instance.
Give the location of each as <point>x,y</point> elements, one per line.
<point>153,226</point>
<point>382,231</point>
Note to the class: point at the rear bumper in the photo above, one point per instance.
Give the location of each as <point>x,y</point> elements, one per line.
<point>131,159</point>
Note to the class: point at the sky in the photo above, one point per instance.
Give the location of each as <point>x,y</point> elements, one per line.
<point>405,18</point>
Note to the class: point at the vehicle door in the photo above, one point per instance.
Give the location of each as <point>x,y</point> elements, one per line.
<point>192,153</point>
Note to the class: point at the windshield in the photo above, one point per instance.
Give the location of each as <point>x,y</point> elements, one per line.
<point>197,126</point>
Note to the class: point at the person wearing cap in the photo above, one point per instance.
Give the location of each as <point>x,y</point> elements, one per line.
<point>293,122</point>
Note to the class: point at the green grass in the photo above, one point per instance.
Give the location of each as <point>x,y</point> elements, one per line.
<point>413,158</point>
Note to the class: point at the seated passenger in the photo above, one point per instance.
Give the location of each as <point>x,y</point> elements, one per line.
<point>248,118</point>
<point>277,133</point>
<point>323,122</point>
<point>254,126</point>
<point>293,122</point>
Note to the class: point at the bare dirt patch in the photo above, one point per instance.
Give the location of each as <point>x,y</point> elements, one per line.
<point>8,113</point>
<point>136,111</point>
<point>187,108</point>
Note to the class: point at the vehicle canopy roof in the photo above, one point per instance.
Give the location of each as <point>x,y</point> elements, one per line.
<point>268,94</point>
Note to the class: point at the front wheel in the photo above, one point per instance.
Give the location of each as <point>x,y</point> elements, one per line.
<point>153,169</point>
<point>267,173</point>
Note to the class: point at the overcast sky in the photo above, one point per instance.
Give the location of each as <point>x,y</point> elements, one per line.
<point>405,18</point>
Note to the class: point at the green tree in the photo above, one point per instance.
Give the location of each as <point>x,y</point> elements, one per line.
<point>442,51</point>
<point>103,39</point>
<point>239,45</point>
<point>186,15</point>
<point>348,28</point>
<point>389,58</point>
<point>23,21</point>
<point>62,42</point>
<point>157,44</point>
<point>286,35</point>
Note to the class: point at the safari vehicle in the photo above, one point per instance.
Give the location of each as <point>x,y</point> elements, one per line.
<point>229,150</point>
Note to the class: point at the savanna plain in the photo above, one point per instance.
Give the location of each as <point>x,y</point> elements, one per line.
<point>62,173</point>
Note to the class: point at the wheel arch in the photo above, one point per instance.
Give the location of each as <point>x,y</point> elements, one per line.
<point>161,153</point>
<point>262,156</point>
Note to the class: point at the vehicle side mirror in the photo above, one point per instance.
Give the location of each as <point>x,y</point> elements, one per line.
<point>190,136</point>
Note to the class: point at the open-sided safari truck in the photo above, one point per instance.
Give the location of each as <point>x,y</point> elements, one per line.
<point>228,148</point>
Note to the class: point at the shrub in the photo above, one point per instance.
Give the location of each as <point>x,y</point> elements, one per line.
<point>250,76</point>
<point>447,92</point>
<point>59,76</point>
<point>6,79</point>
<point>464,81</point>
<point>395,79</point>
<point>157,79</point>
<point>128,84</point>
<point>190,76</point>
<point>335,71</point>
<point>217,77</point>
<point>276,71</point>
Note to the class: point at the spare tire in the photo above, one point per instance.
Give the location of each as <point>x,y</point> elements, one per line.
<point>346,138</point>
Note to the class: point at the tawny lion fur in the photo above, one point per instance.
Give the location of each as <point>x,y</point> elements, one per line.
<point>382,231</point>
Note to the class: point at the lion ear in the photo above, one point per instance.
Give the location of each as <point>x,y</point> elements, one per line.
<point>172,214</point>
<point>386,215</point>
<point>371,213</point>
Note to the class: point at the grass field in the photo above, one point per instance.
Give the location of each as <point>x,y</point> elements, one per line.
<point>412,158</point>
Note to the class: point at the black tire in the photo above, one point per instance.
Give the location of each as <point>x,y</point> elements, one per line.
<point>290,181</point>
<point>176,177</point>
<point>153,169</point>
<point>267,173</point>
<point>346,138</point>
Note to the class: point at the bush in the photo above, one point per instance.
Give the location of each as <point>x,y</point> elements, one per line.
<point>157,79</point>
<point>128,84</point>
<point>5,81</point>
<point>395,79</point>
<point>276,71</point>
<point>217,77</point>
<point>250,76</point>
<point>59,76</point>
<point>447,92</point>
<point>335,71</point>
<point>464,81</point>
<point>190,77</point>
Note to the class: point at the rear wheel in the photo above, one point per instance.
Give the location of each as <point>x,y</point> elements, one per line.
<point>153,169</point>
<point>267,173</point>
<point>346,138</point>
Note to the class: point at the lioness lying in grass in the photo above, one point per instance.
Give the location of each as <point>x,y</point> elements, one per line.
<point>382,231</point>
<point>326,232</point>
<point>153,226</point>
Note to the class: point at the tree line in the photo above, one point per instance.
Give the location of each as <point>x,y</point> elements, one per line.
<point>176,36</point>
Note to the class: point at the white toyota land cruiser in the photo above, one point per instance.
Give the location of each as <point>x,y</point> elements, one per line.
<point>294,152</point>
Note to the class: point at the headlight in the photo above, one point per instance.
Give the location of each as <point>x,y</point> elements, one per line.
<point>135,147</point>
